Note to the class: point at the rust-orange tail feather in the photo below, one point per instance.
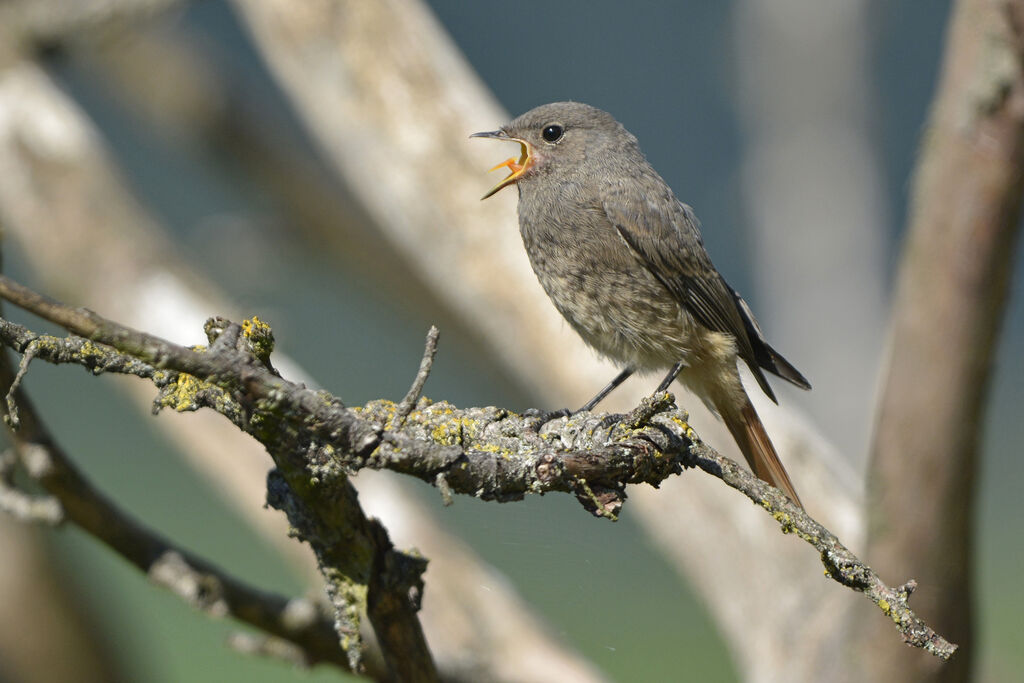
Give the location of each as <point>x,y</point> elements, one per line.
<point>750,435</point>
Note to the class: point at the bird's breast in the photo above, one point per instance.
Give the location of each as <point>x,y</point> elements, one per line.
<point>600,286</point>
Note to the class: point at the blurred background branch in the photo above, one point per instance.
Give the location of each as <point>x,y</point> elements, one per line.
<point>948,311</point>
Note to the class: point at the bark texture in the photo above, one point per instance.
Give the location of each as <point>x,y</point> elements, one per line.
<point>950,300</point>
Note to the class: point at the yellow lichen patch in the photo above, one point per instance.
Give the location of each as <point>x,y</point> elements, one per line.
<point>386,409</point>
<point>456,431</point>
<point>505,453</point>
<point>254,325</point>
<point>690,434</point>
<point>91,350</point>
<point>259,335</point>
<point>470,428</point>
<point>447,433</point>
<point>182,395</point>
<point>784,520</point>
<point>886,607</point>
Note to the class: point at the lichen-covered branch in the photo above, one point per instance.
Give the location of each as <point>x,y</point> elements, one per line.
<point>195,580</point>
<point>233,376</point>
<point>840,564</point>
<point>487,452</point>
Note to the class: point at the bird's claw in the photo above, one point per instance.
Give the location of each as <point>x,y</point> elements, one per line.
<point>542,417</point>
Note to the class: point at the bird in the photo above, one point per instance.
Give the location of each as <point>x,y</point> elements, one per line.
<point>624,262</point>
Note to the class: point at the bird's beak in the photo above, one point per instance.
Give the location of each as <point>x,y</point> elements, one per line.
<point>517,166</point>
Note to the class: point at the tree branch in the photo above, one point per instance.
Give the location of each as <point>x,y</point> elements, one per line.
<point>486,452</point>
<point>192,578</point>
<point>403,409</point>
<point>21,505</point>
<point>295,424</point>
<point>950,301</point>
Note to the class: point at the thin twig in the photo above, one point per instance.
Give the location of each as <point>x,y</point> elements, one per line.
<point>840,564</point>
<point>12,407</point>
<point>407,404</point>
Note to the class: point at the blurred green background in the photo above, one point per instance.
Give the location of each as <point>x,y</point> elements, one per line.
<point>667,71</point>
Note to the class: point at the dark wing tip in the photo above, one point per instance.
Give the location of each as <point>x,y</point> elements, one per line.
<point>763,354</point>
<point>784,369</point>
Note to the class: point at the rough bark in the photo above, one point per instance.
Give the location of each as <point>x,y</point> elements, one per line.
<point>950,301</point>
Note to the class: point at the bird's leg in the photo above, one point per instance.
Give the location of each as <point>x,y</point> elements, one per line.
<point>619,379</point>
<point>544,417</point>
<point>670,377</point>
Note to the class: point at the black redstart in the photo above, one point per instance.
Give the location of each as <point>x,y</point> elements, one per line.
<point>623,261</point>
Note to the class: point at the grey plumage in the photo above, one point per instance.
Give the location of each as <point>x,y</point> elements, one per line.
<point>623,261</point>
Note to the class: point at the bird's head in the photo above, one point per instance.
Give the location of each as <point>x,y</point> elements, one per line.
<point>557,139</point>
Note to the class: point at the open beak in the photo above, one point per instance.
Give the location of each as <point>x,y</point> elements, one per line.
<point>517,166</point>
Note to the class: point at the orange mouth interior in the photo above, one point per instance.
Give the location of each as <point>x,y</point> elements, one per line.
<point>516,167</point>
<point>512,163</point>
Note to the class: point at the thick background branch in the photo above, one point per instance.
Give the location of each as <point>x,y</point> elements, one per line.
<point>950,302</point>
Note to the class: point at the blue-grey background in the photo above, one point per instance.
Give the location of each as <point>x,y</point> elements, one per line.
<point>666,70</point>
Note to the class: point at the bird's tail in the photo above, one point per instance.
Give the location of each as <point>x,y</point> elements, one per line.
<point>750,435</point>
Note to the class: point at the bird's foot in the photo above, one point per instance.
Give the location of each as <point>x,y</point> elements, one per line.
<point>610,420</point>
<point>538,418</point>
<point>542,417</point>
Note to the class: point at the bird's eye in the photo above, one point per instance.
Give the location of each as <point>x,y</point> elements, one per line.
<point>552,133</point>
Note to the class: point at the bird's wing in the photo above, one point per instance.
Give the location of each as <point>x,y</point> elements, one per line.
<point>664,235</point>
